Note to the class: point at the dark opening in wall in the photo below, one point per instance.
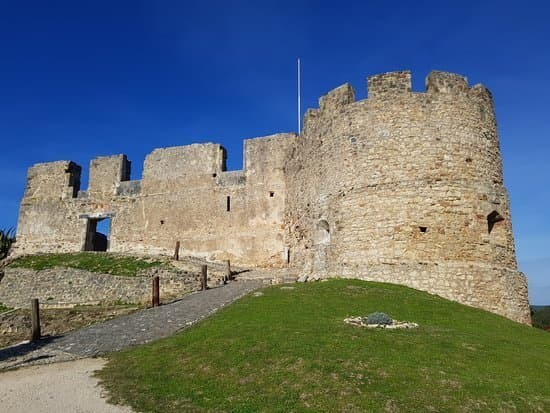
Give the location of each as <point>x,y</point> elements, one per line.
<point>162,222</point>
<point>492,219</point>
<point>423,229</point>
<point>97,234</point>
<point>74,172</point>
<point>271,194</point>
<point>228,203</point>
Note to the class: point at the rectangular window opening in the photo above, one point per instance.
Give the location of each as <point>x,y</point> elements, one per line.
<point>97,234</point>
<point>228,205</point>
<point>271,194</point>
<point>423,229</point>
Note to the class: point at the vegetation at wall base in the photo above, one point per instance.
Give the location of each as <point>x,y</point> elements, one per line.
<point>541,316</point>
<point>105,263</point>
<point>4,308</point>
<point>289,350</point>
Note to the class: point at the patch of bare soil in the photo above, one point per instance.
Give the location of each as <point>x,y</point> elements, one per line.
<point>60,387</point>
<point>15,326</point>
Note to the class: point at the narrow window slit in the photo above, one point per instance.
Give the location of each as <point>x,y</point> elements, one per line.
<point>228,204</point>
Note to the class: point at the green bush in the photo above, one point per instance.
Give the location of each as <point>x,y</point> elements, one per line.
<point>7,238</point>
<point>379,318</point>
<point>541,316</point>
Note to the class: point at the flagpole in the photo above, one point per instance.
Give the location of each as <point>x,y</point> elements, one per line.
<point>299,99</point>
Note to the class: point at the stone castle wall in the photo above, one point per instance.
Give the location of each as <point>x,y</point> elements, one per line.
<point>401,187</point>
<point>185,195</point>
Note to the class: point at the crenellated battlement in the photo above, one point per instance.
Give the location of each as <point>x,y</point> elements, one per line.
<point>444,82</point>
<point>398,84</point>
<point>60,179</point>
<point>337,98</point>
<point>165,169</point>
<point>389,85</point>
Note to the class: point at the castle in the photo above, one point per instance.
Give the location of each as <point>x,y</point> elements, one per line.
<point>401,187</point>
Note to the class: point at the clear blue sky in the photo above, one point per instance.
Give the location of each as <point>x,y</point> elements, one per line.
<point>85,78</point>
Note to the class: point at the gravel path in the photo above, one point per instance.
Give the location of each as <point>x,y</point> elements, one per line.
<point>137,328</point>
<point>61,387</point>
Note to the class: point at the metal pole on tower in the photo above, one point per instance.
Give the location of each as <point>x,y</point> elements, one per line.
<point>299,98</point>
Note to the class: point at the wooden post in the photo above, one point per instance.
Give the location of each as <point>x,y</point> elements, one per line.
<point>177,251</point>
<point>228,275</point>
<point>35,320</point>
<point>204,277</point>
<point>156,291</point>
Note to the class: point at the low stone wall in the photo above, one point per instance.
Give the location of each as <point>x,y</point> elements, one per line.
<point>67,286</point>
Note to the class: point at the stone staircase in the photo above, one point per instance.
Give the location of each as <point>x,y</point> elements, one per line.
<point>267,276</point>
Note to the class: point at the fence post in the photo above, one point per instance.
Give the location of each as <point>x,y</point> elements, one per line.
<point>204,277</point>
<point>177,251</point>
<point>35,320</point>
<point>228,275</point>
<point>156,291</point>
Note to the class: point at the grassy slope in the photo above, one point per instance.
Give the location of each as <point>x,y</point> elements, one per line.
<point>289,350</point>
<point>96,262</point>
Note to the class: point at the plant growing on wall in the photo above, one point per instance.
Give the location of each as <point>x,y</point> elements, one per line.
<point>7,238</point>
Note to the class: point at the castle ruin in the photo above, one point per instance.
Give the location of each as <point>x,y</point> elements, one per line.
<point>401,187</point>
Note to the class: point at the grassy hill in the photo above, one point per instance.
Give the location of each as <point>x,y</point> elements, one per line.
<point>288,350</point>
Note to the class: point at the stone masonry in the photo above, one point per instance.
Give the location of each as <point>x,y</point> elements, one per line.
<point>401,187</point>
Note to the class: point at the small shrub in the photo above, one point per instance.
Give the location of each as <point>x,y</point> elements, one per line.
<point>379,318</point>
<point>7,238</point>
<point>4,308</point>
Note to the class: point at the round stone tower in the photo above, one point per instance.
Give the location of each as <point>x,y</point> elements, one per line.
<point>407,188</point>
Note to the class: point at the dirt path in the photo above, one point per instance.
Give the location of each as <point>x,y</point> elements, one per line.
<point>60,387</point>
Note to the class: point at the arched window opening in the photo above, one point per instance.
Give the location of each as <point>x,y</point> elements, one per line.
<point>323,231</point>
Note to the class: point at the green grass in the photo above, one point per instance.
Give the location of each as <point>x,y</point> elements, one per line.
<point>541,316</point>
<point>4,308</point>
<point>290,351</point>
<point>95,262</point>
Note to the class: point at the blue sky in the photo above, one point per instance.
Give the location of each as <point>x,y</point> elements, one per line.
<point>80,79</point>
